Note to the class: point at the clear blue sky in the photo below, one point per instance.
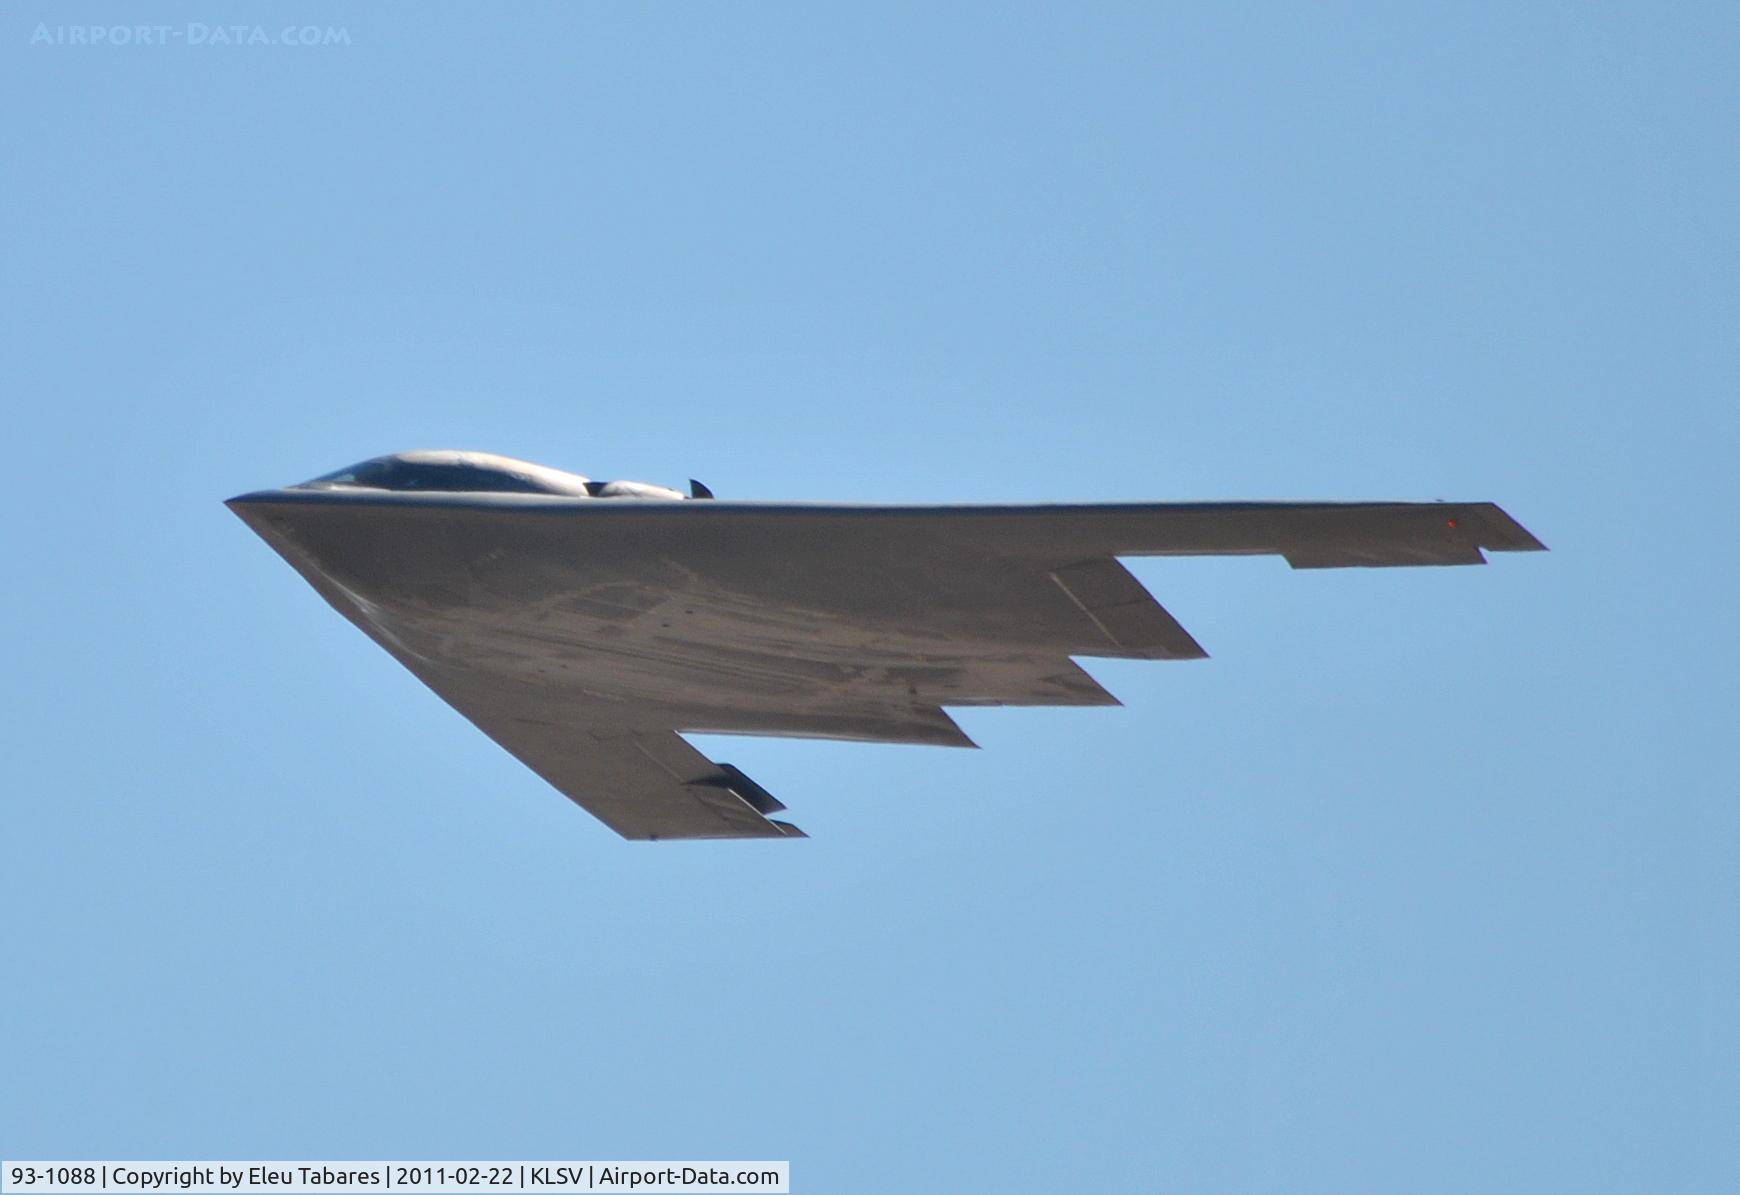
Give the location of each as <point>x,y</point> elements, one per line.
<point>1426,881</point>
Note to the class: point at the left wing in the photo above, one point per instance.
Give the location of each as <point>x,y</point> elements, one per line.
<point>646,784</point>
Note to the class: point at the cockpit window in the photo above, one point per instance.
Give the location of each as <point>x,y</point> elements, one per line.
<point>460,478</point>
<point>449,479</point>
<point>342,477</point>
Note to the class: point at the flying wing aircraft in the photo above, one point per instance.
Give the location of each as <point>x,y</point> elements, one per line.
<point>583,624</point>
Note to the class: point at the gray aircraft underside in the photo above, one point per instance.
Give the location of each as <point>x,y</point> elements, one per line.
<point>582,625</point>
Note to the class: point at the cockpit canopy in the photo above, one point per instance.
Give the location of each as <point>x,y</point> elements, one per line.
<point>389,473</point>
<point>476,473</point>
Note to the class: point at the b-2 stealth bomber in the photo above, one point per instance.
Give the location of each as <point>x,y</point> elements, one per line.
<point>583,624</point>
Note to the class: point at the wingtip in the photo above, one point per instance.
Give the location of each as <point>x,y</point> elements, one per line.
<point>1509,535</point>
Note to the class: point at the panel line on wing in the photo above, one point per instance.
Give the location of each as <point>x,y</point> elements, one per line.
<point>1125,612</point>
